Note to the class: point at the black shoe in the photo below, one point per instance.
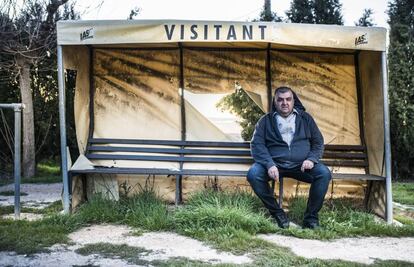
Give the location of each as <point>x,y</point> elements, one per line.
<point>282,220</point>
<point>311,225</point>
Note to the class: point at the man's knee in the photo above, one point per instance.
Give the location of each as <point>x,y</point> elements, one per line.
<point>256,172</point>
<point>323,172</point>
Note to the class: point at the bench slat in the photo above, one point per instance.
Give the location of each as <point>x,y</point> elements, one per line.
<point>168,142</point>
<point>171,150</point>
<point>339,163</point>
<point>344,148</point>
<point>344,163</point>
<point>328,155</point>
<point>339,155</point>
<point>170,158</point>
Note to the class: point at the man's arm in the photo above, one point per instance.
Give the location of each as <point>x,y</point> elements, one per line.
<point>259,151</point>
<point>316,142</point>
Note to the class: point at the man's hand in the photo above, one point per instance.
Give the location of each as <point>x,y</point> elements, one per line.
<point>307,165</point>
<point>273,173</point>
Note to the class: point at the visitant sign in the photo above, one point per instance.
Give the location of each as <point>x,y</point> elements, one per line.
<point>173,31</point>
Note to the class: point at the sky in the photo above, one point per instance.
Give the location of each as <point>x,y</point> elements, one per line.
<point>225,10</point>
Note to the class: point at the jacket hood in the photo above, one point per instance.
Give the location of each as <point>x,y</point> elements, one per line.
<point>298,104</point>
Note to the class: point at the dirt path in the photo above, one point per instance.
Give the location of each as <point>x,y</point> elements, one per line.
<point>38,195</point>
<point>362,250</point>
<point>161,246</point>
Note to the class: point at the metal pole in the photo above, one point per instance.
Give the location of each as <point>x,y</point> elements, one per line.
<point>62,124</point>
<point>17,153</point>
<point>13,106</point>
<point>387,140</point>
<point>17,156</point>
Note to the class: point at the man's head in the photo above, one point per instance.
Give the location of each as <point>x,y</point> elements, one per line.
<point>284,101</point>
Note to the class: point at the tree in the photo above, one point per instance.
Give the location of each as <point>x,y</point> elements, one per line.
<point>28,39</point>
<point>401,85</point>
<point>300,11</point>
<point>240,104</point>
<point>267,15</point>
<point>133,13</point>
<point>366,19</point>
<point>327,12</point>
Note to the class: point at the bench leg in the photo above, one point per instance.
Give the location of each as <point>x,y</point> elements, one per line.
<point>280,190</point>
<point>178,189</point>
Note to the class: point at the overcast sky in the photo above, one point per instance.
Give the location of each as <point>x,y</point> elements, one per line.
<point>226,10</point>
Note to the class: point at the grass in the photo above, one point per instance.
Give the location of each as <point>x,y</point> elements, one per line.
<point>227,221</point>
<point>11,193</point>
<point>343,218</point>
<point>403,193</point>
<point>47,172</point>
<point>26,237</point>
<point>131,254</point>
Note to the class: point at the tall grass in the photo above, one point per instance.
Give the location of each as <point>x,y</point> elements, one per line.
<point>228,220</point>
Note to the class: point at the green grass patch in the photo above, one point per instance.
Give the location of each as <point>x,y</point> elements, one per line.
<point>48,168</point>
<point>53,208</point>
<point>404,219</point>
<point>29,237</point>
<point>47,172</point>
<point>11,193</point>
<point>130,254</point>
<point>403,193</point>
<point>343,218</point>
<point>227,220</point>
<point>146,210</point>
<point>6,210</point>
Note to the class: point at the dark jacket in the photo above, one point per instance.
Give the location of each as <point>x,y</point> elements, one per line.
<point>269,149</point>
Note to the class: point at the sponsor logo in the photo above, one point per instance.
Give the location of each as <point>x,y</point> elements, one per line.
<point>86,34</point>
<point>362,39</point>
<point>215,32</point>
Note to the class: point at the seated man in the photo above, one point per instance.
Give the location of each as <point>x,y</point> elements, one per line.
<point>287,143</point>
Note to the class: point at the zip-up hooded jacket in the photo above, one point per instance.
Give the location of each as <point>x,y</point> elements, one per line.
<point>269,149</point>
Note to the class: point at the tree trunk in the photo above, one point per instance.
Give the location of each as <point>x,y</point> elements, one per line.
<point>29,161</point>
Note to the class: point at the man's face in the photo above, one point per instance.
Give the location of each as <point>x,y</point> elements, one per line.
<point>284,103</point>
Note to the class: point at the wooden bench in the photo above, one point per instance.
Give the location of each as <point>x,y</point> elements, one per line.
<point>220,153</point>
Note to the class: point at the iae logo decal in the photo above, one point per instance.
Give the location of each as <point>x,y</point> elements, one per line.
<point>362,39</point>
<point>86,34</point>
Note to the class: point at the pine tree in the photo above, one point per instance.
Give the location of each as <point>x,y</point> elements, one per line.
<point>327,12</point>
<point>300,11</point>
<point>366,19</point>
<point>267,14</point>
<point>401,85</point>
